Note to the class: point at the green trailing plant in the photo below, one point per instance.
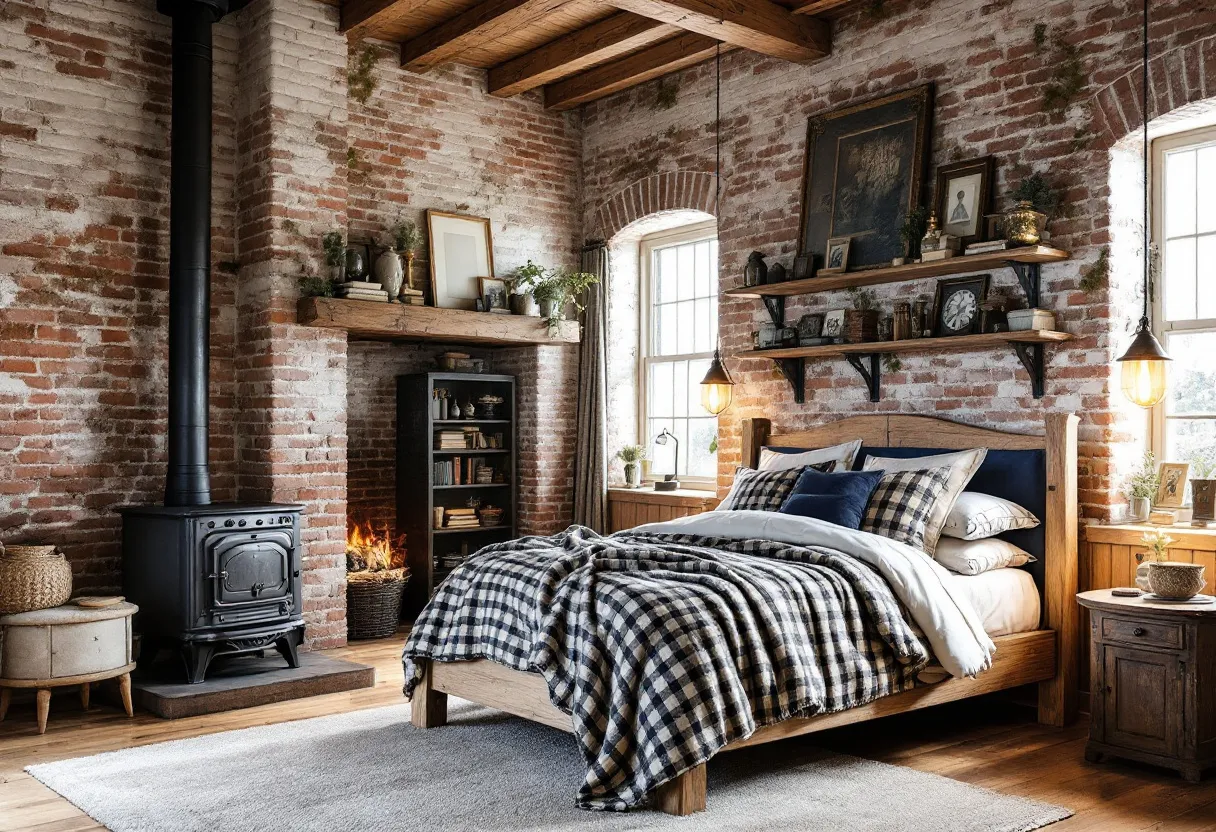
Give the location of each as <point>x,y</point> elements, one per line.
<point>407,239</point>
<point>667,93</point>
<point>631,454</point>
<point>1036,190</point>
<point>916,223</point>
<point>1096,276</point>
<point>525,278</point>
<point>864,300</point>
<point>314,286</point>
<point>562,287</point>
<point>354,159</point>
<point>1144,481</point>
<point>713,444</point>
<point>891,363</point>
<point>334,245</point>
<point>1067,77</point>
<point>360,77</point>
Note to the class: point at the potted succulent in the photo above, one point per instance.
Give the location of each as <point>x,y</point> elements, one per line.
<point>374,584</point>
<point>557,289</point>
<point>334,245</point>
<point>1142,488</point>
<point>861,322</point>
<point>521,283</point>
<point>632,456</point>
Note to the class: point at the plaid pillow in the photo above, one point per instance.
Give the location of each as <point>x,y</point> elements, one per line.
<point>766,490</point>
<point>899,508</point>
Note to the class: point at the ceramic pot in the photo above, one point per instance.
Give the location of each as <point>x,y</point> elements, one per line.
<point>1176,581</point>
<point>389,273</point>
<point>524,305</point>
<point>1139,510</point>
<point>1024,224</point>
<point>547,308</point>
<point>633,474</point>
<point>356,265</point>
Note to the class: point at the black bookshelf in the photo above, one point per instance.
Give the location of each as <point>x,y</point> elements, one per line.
<point>418,492</point>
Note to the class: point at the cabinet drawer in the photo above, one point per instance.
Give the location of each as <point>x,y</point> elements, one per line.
<point>1150,633</point>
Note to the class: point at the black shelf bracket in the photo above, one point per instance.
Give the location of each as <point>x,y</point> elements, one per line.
<point>872,375</point>
<point>1031,356</point>
<point>794,370</point>
<point>1028,275</point>
<point>776,309</point>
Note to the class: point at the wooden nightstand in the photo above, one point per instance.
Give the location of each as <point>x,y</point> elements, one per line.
<point>1153,682</point>
<point>629,507</point>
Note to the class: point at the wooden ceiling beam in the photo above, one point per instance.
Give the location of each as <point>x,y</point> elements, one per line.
<point>486,21</point>
<point>759,25</point>
<point>819,6</point>
<point>613,37</point>
<point>362,18</point>
<point>669,56</point>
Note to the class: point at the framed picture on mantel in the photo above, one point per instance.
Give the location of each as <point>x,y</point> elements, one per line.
<point>462,252</point>
<point>864,171</point>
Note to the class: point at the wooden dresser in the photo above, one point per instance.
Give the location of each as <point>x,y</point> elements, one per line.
<point>629,507</point>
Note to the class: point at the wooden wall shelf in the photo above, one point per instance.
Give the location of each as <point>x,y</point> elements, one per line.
<point>397,322</point>
<point>962,264</point>
<point>1028,345</point>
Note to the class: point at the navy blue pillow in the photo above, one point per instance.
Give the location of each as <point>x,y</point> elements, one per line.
<point>835,498</point>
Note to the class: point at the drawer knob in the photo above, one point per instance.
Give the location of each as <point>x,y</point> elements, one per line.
<point>1139,631</point>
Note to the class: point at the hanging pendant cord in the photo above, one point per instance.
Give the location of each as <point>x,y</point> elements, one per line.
<point>1148,255</point>
<point>718,132</point>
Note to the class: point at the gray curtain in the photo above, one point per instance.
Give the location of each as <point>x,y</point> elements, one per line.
<point>590,455</point>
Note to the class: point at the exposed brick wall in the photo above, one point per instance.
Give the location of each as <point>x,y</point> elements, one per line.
<point>989,76</point>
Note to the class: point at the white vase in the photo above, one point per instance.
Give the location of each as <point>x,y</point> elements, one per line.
<point>1140,509</point>
<point>633,474</point>
<point>389,273</point>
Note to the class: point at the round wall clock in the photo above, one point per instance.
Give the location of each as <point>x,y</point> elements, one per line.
<point>959,306</point>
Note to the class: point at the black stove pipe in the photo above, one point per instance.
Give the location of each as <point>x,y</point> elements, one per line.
<point>188,482</point>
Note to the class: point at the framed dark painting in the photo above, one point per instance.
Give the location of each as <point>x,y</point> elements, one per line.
<point>865,169</point>
<point>963,197</point>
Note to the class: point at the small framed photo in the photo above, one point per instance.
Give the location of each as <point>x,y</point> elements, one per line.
<point>1172,490</point>
<point>833,324</point>
<point>804,266</point>
<point>964,194</point>
<point>836,261</point>
<point>810,326</point>
<point>958,305</point>
<point>494,295</point>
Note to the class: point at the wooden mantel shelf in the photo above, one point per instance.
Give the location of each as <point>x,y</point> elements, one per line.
<point>955,343</point>
<point>963,264</point>
<point>397,322</point>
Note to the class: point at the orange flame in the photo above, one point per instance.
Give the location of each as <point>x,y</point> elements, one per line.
<point>378,550</point>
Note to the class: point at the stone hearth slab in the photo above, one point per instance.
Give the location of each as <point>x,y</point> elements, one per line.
<point>244,682</point>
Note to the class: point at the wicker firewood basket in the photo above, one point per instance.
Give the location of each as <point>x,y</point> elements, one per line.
<point>33,578</point>
<point>373,603</point>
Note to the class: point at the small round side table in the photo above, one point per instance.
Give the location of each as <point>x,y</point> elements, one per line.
<point>65,646</point>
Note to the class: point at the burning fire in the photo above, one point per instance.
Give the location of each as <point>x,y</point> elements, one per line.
<point>367,549</point>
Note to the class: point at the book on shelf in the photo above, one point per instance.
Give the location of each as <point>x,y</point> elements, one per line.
<point>364,294</point>
<point>988,247</point>
<point>461,512</point>
<point>362,284</point>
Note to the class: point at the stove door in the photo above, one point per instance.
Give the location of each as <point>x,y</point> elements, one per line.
<point>251,568</point>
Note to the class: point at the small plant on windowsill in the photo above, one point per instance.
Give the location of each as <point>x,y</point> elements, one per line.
<point>632,456</point>
<point>1142,487</point>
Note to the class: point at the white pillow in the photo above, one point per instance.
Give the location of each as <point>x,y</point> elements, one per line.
<point>843,455</point>
<point>971,557</point>
<point>962,464</point>
<point>975,516</point>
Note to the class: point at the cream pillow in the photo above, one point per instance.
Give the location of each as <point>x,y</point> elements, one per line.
<point>976,516</point>
<point>962,465</point>
<point>843,455</point>
<point>971,557</point>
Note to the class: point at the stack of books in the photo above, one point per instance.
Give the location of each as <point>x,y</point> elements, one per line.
<point>460,518</point>
<point>460,470</point>
<point>362,290</point>
<point>451,440</point>
<point>988,247</point>
<point>412,297</point>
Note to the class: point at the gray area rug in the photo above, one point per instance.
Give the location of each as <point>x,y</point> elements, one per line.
<point>372,770</point>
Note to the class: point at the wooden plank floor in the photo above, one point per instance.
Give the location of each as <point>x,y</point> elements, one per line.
<point>988,743</point>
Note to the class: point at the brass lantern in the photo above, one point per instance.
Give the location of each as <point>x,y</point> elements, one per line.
<point>1145,368</point>
<point>717,388</point>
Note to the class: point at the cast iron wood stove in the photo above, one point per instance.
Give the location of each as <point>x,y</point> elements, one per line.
<point>209,579</point>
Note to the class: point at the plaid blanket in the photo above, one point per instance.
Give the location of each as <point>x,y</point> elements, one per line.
<point>665,648</point>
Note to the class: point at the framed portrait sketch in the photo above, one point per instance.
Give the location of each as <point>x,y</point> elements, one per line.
<point>865,169</point>
<point>462,252</point>
<point>836,261</point>
<point>833,324</point>
<point>1172,490</point>
<point>494,295</point>
<point>963,198</point>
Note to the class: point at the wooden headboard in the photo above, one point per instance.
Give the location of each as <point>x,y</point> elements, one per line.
<point>1057,698</point>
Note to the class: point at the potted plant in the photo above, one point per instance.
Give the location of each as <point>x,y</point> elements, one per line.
<point>861,322</point>
<point>1142,488</point>
<point>407,241</point>
<point>556,290</point>
<point>632,456</point>
<point>334,245</point>
<point>1035,204</point>
<point>1172,580</point>
<point>521,283</point>
<point>912,232</point>
<point>374,585</point>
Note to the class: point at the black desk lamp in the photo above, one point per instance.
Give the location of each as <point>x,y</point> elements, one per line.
<point>669,481</point>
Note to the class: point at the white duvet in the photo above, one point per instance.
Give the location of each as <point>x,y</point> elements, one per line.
<point>954,631</point>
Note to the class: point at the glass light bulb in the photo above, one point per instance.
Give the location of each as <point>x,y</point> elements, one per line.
<point>1145,381</point>
<point>716,397</point>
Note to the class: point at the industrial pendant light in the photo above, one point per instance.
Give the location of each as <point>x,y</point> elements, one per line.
<point>717,388</point>
<point>1145,368</point>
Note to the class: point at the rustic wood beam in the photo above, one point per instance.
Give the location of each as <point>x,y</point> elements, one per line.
<point>669,56</point>
<point>484,22</point>
<point>819,6</point>
<point>362,18</point>
<point>759,25</point>
<point>600,42</point>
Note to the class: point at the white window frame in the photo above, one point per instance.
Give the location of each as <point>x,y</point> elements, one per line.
<point>650,244</point>
<point>1164,328</point>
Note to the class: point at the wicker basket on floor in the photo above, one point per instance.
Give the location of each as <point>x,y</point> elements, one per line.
<point>33,578</point>
<point>373,603</point>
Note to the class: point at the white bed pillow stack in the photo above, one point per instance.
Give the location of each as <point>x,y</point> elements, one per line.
<point>970,545</point>
<point>843,455</point>
<point>972,557</point>
<point>962,465</point>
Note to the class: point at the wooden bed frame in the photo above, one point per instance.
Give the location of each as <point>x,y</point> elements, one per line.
<point>1046,656</point>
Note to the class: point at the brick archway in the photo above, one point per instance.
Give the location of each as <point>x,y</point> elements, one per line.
<point>674,191</point>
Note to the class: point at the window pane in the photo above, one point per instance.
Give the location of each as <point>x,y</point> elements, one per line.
<point>702,463</point>
<point>1206,182</point>
<point>685,270</point>
<point>704,339</point>
<point>660,398</point>
<point>686,327</point>
<point>1193,387</point>
<point>1191,440</point>
<point>1179,193</point>
<point>704,273</point>
<point>1179,286</point>
<point>679,385</point>
<point>665,332</point>
<point>666,275</point>
<point>1207,277</point>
